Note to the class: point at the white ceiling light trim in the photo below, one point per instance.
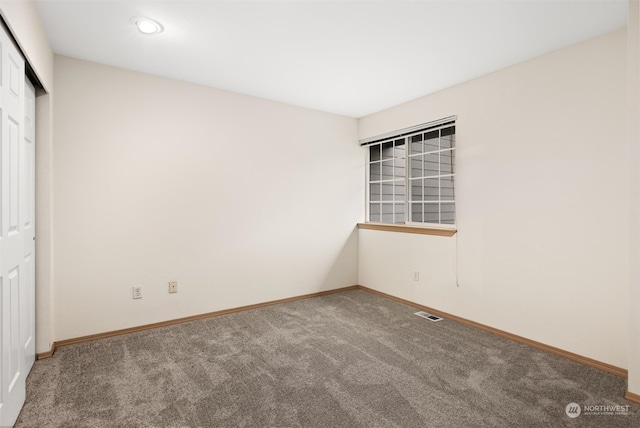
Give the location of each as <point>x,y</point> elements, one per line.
<point>147,25</point>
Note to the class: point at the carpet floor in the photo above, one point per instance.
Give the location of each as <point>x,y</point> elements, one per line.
<point>349,359</point>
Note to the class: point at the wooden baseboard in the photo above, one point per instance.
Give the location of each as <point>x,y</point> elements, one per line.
<point>551,349</point>
<point>47,354</point>
<point>187,319</point>
<point>634,398</point>
<point>557,351</point>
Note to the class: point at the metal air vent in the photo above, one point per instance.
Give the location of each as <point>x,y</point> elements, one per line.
<point>428,316</point>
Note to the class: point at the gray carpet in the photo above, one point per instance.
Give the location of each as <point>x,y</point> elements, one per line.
<point>350,359</point>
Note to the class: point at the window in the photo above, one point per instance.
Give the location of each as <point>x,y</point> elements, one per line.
<point>410,175</point>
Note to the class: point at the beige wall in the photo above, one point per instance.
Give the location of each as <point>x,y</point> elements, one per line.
<point>542,202</point>
<point>241,200</point>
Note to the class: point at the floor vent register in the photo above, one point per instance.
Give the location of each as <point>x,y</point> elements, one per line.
<point>428,316</point>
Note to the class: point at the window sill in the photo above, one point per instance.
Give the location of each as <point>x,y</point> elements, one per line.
<point>421,230</point>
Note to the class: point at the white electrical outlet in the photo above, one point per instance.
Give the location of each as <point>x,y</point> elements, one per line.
<point>416,275</point>
<point>137,292</point>
<point>173,286</point>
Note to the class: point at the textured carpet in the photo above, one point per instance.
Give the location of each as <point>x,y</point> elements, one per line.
<point>350,359</point>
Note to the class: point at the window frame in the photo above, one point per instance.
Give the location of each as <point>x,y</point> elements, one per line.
<point>407,135</point>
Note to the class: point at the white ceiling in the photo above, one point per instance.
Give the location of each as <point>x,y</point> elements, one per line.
<point>347,57</point>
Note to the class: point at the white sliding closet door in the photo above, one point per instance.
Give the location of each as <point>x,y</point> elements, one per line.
<point>17,230</point>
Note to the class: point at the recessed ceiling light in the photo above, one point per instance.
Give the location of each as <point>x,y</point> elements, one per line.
<point>147,25</point>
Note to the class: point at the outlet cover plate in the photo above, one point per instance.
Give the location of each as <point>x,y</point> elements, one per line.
<point>137,292</point>
<point>173,286</point>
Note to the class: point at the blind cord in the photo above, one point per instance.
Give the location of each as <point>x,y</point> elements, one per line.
<point>457,274</point>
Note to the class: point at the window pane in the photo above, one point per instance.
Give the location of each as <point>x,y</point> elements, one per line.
<point>416,166</point>
<point>448,138</point>
<point>399,168</point>
<point>400,148</point>
<point>387,170</point>
<point>416,144</point>
<point>374,192</point>
<point>374,212</point>
<point>400,191</point>
<point>374,153</point>
<point>446,188</point>
<point>387,213</point>
<point>431,164</point>
<point>387,191</point>
<point>387,150</point>
<point>446,162</point>
<point>431,213</point>
<point>431,141</point>
<point>416,212</point>
<point>431,191</point>
<point>447,214</point>
<point>374,172</point>
<point>399,214</point>
<point>416,190</point>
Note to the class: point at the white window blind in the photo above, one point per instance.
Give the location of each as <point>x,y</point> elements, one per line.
<point>411,175</point>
